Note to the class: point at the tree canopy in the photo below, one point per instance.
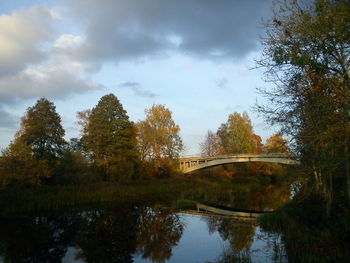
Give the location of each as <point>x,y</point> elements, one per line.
<point>276,144</point>
<point>306,55</point>
<point>110,137</point>
<point>158,135</point>
<point>237,134</point>
<point>212,145</point>
<point>41,130</point>
<point>33,156</point>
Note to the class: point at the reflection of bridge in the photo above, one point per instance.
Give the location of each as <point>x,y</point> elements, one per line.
<point>191,164</point>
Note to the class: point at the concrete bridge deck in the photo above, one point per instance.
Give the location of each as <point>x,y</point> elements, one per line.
<point>191,164</point>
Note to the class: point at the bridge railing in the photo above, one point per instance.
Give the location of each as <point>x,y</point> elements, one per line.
<point>189,162</point>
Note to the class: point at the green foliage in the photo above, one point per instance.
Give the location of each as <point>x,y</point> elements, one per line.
<point>306,54</point>
<point>111,139</point>
<point>32,158</point>
<point>237,134</point>
<point>42,131</point>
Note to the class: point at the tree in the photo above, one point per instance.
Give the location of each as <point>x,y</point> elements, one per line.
<point>33,156</point>
<point>158,136</point>
<point>276,144</point>
<point>41,130</point>
<point>111,138</point>
<point>237,134</point>
<point>212,145</point>
<point>258,145</point>
<point>307,54</point>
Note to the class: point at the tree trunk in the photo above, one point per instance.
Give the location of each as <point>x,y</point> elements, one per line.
<point>346,152</point>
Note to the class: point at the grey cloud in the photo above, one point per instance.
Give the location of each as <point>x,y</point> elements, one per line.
<point>119,29</point>
<point>32,84</point>
<point>222,83</point>
<point>23,35</point>
<point>130,84</point>
<point>137,89</point>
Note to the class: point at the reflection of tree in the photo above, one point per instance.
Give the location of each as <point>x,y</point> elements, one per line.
<point>230,256</point>
<point>108,236</point>
<point>36,239</point>
<point>104,235</point>
<point>260,197</point>
<point>159,230</point>
<point>240,234</point>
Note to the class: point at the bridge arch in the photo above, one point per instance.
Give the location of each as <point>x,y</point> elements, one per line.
<point>188,165</point>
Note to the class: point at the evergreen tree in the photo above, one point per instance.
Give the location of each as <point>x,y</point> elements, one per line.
<point>111,138</point>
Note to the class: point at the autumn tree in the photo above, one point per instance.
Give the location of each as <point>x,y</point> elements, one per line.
<point>212,145</point>
<point>258,145</point>
<point>158,136</point>
<point>110,137</point>
<point>276,144</point>
<point>158,231</point>
<point>237,134</point>
<point>306,54</point>
<point>32,156</point>
<point>41,129</point>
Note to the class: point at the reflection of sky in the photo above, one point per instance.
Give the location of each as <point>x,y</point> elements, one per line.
<point>70,256</point>
<point>196,244</point>
<point>266,247</point>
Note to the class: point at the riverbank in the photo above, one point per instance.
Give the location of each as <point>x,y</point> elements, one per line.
<point>309,232</point>
<point>241,191</point>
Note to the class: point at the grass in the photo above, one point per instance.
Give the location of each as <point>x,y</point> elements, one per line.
<point>59,197</point>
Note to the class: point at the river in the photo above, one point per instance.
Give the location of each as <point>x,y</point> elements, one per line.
<point>157,231</point>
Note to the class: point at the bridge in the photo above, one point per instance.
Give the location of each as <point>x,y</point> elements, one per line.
<point>191,164</point>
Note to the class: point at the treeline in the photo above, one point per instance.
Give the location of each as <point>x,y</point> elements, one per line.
<point>237,136</point>
<point>306,55</point>
<point>111,147</point>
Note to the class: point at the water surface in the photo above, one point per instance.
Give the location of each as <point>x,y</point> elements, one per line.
<point>146,232</point>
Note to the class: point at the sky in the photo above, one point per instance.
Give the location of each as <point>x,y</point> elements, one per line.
<point>197,57</point>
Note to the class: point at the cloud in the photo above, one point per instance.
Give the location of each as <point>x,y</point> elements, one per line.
<point>36,83</point>
<point>137,89</point>
<point>33,63</point>
<point>7,119</point>
<point>118,30</point>
<point>222,83</point>
<point>23,35</point>
<point>68,41</point>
